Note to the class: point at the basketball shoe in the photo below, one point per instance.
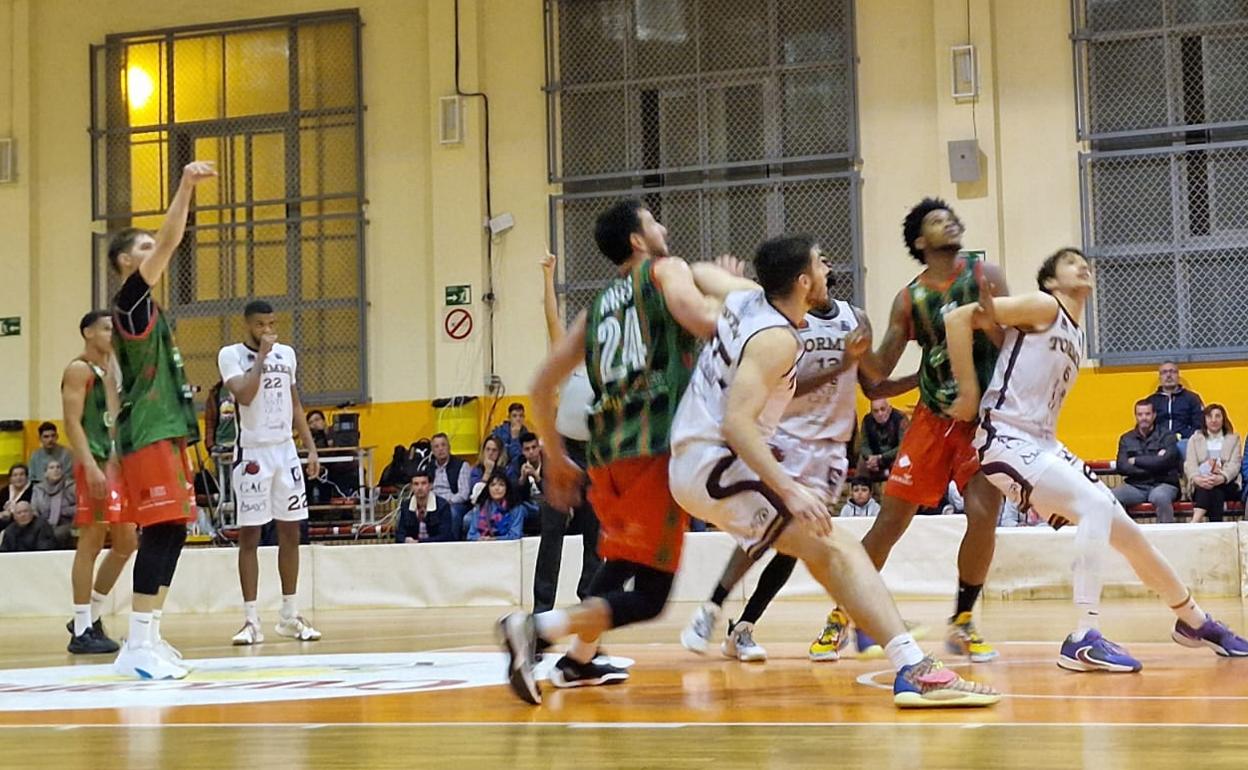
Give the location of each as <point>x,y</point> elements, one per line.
<point>696,636</point>
<point>740,644</point>
<point>835,635</point>
<point>1096,653</point>
<point>248,635</point>
<point>297,628</point>
<point>928,684</point>
<point>518,636</point>
<point>963,639</point>
<point>1212,634</point>
<point>568,673</point>
<point>868,648</point>
<point>144,662</point>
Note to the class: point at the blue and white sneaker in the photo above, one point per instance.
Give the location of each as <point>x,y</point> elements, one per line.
<point>1096,653</point>
<point>1212,634</point>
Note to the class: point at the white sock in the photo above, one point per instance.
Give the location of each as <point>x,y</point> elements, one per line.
<point>97,604</point>
<point>289,609</point>
<point>582,651</point>
<point>140,629</point>
<point>155,634</point>
<point>1190,612</point>
<point>253,615</point>
<point>902,650</point>
<point>1089,619</point>
<point>82,618</point>
<point>553,625</point>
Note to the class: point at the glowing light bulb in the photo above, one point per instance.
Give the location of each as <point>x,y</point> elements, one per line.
<point>139,87</point>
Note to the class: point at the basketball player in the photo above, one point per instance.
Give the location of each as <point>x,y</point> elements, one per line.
<point>637,339</point>
<point>723,471</point>
<point>1021,455</point>
<point>811,440</point>
<point>156,422</point>
<point>937,448</point>
<point>268,476</point>
<point>89,400</point>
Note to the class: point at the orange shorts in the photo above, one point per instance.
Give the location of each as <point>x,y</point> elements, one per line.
<point>158,484</point>
<point>933,452</point>
<point>640,522</point>
<point>95,510</point>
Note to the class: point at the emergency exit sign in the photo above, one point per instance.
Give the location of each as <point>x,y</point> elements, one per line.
<point>459,295</point>
<point>10,327</point>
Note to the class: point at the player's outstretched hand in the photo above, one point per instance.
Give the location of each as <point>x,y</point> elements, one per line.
<point>199,170</point>
<point>548,263</point>
<point>562,482</point>
<point>731,264</point>
<point>857,344</point>
<point>987,309</point>
<point>809,509</point>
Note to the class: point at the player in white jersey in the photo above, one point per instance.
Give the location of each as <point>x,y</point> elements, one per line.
<point>811,442</point>
<point>723,471</point>
<point>268,475</point>
<point>1019,452</point>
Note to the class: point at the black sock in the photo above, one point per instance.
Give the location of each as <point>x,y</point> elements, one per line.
<point>967,595</point>
<point>719,596</point>
<point>774,576</point>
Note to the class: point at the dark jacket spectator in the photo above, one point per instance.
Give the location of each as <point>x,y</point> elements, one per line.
<point>423,516</point>
<point>395,474</point>
<point>880,439</point>
<point>27,532</point>
<point>498,515</point>
<point>18,489</point>
<point>1148,459</point>
<point>510,432</point>
<point>1179,410</point>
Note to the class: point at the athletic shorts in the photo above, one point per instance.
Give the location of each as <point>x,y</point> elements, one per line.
<point>94,510</point>
<point>639,521</point>
<point>158,484</point>
<point>820,465</point>
<point>268,484</point>
<point>934,451</point>
<point>712,483</point>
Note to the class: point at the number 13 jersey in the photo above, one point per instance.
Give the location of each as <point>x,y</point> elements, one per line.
<point>267,419</point>
<point>639,361</point>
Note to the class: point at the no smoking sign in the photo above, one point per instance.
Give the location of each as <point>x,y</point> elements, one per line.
<point>457,324</point>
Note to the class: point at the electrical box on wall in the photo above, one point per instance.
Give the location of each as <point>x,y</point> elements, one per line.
<point>964,160</point>
<point>450,120</point>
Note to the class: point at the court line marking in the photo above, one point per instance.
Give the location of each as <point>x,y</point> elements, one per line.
<point>609,725</point>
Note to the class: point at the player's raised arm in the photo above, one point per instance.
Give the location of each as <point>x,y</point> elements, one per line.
<point>879,365</point>
<point>171,230</point>
<point>562,474</point>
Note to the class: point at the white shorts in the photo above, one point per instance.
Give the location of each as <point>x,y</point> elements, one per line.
<point>268,484</point>
<point>710,482</point>
<point>821,465</point>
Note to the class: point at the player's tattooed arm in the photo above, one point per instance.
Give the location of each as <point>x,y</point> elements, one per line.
<point>879,365</point>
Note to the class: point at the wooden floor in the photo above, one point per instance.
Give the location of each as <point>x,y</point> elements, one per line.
<point>678,710</point>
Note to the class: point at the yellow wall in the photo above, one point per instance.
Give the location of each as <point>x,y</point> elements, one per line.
<point>426,200</point>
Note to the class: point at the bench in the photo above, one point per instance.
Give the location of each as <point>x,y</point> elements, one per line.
<point>1182,508</point>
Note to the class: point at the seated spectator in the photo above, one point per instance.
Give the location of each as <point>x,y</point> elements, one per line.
<point>860,502</point>
<point>1214,458</point>
<point>510,433</point>
<point>27,532</point>
<point>1149,461</point>
<point>48,451</point>
<point>881,436</point>
<point>54,501</point>
<point>423,516</point>
<point>497,515</point>
<point>1178,409</point>
<point>492,456</point>
<point>450,479</point>
<point>19,489</point>
<point>527,477</point>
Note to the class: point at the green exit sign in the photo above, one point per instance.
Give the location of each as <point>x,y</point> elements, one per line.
<point>10,327</point>
<point>459,295</point>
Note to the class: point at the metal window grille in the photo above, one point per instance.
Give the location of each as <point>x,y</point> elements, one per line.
<point>735,120</point>
<point>277,104</point>
<point>1160,102</point>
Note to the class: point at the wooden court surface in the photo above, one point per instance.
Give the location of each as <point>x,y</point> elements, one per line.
<point>679,710</point>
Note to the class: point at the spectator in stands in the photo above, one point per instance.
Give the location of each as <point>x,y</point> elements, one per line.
<point>54,500</point>
<point>27,532</point>
<point>498,514</point>
<point>881,436</point>
<point>510,433</point>
<point>451,480</point>
<point>1149,461</point>
<point>492,456</point>
<point>860,502</point>
<point>1178,409</point>
<point>19,489</point>
<point>527,477</point>
<point>1214,458</point>
<point>395,474</point>
<point>48,451</point>
<point>319,428</point>
<point>423,516</point>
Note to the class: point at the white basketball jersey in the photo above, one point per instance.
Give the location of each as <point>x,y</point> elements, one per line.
<point>700,415</point>
<point>827,413</point>
<point>1035,372</point>
<point>267,419</point>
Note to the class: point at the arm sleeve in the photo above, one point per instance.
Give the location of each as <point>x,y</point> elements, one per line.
<point>444,515</point>
<point>515,527</point>
<point>1232,469</point>
<point>1122,463</point>
<point>846,511</point>
<point>134,301</point>
<point>400,529</point>
<point>474,532</point>
<point>228,364</point>
<point>465,485</point>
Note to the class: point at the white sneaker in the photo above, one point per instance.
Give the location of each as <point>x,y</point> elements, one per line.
<point>297,628</point>
<point>168,652</point>
<point>249,634</point>
<point>740,644</point>
<point>697,635</point>
<point>144,662</point>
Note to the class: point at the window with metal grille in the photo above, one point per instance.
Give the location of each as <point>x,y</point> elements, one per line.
<point>1162,105</point>
<point>734,120</point>
<point>276,103</point>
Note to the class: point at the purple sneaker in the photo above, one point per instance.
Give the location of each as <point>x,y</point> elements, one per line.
<point>1212,634</point>
<point>1096,653</point>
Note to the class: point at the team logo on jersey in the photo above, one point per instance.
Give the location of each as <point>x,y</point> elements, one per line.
<point>252,468</point>
<point>903,461</point>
